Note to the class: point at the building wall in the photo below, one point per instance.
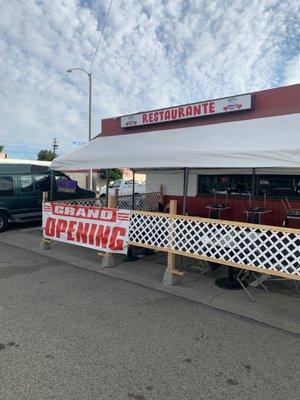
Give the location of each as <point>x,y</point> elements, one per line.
<point>171,181</point>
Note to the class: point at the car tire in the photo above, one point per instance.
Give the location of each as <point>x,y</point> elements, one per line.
<point>3,222</point>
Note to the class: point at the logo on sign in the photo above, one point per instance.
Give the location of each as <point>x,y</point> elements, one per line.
<point>131,121</point>
<point>232,104</point>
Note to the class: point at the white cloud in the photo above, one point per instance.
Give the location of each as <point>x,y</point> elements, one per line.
<point>163,52</point>
<point>292,72</point>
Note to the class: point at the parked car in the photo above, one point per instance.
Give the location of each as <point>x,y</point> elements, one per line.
<point>124,188</point>
<point>21,188</point>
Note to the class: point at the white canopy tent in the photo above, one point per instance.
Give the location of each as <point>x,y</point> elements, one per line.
<point>272,142</point>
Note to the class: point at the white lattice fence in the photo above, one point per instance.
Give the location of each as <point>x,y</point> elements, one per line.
<point>266,249</point>
<point>83,202</point>
<point>142,201</point>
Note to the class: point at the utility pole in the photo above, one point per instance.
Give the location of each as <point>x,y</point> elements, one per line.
<point>89,75</point>
<point>54,147</point>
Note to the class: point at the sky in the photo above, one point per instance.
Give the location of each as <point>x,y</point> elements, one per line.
<point>153,54</point>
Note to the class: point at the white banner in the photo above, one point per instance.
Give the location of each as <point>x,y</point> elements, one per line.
<point>99,228</point>
<point>203,109</point>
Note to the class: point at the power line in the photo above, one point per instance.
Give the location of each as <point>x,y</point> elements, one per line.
<point>123,91</point>
<point>101,34</point>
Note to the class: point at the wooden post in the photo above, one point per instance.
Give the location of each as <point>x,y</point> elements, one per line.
<point>45,196</point>
<point>112,201</point>
<point>171,256</point>
<point>171,268</point>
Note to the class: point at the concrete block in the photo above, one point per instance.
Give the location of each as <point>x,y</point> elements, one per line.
<point>108,261</point>
<point>46,244</point>
<point>169,279</point>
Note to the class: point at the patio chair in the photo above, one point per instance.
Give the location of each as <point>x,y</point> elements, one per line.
<point>290,212</point>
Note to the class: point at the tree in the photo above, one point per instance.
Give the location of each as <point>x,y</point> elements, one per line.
<point>1,148</point>
<point>114,174</point>
<point>45,155</point>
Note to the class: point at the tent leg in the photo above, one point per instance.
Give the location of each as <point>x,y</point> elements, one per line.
<point>185,190</point>
<point>253,195</point>
<point>130,256</point>
<point>107,187</point>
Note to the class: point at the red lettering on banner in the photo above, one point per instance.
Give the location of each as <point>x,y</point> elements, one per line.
<point>205,107</point>
<point>116,243</point>
<point>174,113</point>
<point>71,230</point>
<point>161,115</point>
<point>167,115</point>
<point>156,116</point>
<point>92,233</point>
<point>150,117</point>
<point>197,109</point>
<point>211,107</point>
<point>180,112</point>
<point>145,118</point>
<point>50,226</point>
<point>102,235</point>
<point>82,232</point>
<point>189,111</point>
<point>109,235</point>
<point>61,227</point>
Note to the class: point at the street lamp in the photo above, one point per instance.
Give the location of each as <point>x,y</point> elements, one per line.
<point>90,114</point>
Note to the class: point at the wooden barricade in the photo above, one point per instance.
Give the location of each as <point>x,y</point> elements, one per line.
<point>264,249</point>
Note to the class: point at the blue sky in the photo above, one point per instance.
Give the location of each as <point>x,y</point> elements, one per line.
<point>154,53</point>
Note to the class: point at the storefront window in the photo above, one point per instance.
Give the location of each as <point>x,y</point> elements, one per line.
<point>222,184</point>
<point>271,185</point>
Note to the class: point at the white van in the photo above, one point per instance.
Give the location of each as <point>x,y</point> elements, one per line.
<point>124,188</point>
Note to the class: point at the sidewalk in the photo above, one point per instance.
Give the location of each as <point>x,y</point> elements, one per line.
<point>279,309</point>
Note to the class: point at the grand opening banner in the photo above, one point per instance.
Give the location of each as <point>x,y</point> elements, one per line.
<point>99,228</point>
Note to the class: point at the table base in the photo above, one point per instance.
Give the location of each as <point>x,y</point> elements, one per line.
<point>227,283</point>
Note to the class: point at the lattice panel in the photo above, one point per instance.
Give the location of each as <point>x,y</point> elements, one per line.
<point>83,202</point>
<point>143,202</point>
<point>242,245</point>
<point>150,230</point>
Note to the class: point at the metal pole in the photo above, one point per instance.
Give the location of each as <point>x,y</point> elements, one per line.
<point>107,187</point>
<point>133,190</point>
<point>253,194</point>
<point>90,126</point>
<point>185,190</point>
<point>51,184</point>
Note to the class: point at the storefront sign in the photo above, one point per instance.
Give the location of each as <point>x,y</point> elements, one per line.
<point>102,229</point>
<point>66,186</point>
<point>196,110</point>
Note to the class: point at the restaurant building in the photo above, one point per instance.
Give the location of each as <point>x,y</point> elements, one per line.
<point>230,186</point>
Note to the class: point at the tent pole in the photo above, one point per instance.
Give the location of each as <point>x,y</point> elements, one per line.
<point>133,190</point>
<point>253,195</point>
<point>130,256</point>
<point>107,187</point>
<point>185,190</point>
<point>51,184</point>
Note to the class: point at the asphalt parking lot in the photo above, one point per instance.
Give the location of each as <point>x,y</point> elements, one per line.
<point>72,334</point>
